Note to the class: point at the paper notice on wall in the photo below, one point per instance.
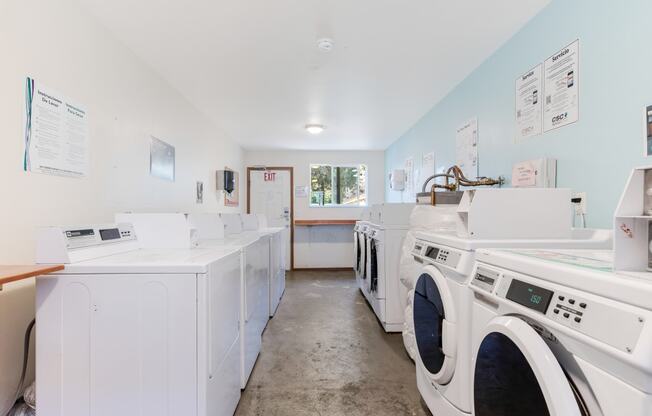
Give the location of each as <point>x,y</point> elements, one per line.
<point>561,88</point>
<point>529,103</point>
<point>427,169</point>
<point>56,133</point>
<point>409,179</point>
<point>524,174</point>
<point>467,148</point>
<point>301,191</point>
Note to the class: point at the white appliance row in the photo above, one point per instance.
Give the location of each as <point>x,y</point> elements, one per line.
<point>526,332</point>
<point>164,316</point>
<point>377,247</point>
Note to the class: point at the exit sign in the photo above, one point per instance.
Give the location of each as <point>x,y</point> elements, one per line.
<point>269,176</point>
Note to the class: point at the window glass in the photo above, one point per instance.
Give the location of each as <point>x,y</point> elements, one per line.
<point>338,185</point>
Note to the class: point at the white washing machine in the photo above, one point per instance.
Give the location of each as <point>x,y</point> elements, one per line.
<point>277,248</point>
<point>361,273</point>
<point>440,301</point>
<point>124,330</point>
<point>558,333</point>
<point>358,249</point>
<point>440,304</point>
<point>380,283</point>
<point>438,218</point>
<point>208,231</point>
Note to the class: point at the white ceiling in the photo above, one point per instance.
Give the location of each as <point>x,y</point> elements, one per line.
<point>254,68</point>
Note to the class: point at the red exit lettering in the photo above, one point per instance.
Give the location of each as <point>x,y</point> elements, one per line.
<point>270,176</point>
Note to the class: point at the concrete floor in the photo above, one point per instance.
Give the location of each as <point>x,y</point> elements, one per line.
<point>324,353</point>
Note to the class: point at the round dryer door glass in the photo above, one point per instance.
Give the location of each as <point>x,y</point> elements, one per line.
<point>428,314</point>
<point>517,375</point>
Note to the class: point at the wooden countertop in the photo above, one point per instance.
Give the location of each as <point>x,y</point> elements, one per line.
<point>324,222</point>
<point>13,273</point>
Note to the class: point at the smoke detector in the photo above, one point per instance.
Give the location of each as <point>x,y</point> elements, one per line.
<point>325,44</point>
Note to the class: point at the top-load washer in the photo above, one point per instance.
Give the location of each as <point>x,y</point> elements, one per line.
<point>124,330</point>
<point>257,223</point>
<point>380,282</point>
<point>557,333</point>
<point>208,232</point>
<point>440,301</point>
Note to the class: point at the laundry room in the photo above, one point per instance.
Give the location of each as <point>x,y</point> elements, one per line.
<point>424,208</point>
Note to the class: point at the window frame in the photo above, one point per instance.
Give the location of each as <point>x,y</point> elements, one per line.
<point>339,165</point>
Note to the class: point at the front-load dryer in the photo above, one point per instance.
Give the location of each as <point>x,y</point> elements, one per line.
<point>441,310</point>
<point>557,333</point>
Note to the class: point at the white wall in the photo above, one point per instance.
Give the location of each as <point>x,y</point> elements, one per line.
<point>324,246</point>
<point>65,49</point>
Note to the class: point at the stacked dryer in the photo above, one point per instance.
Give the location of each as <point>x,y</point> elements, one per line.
<point>379,279</point>
<point>440,301</point>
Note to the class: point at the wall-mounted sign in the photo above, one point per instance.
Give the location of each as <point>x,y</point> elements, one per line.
<point>56,133</point>
<point>161,159</point>
<point>300,191</point>
<point>269,176</point>
<point>562,94</point>
<point>466,151</point>
<point>200,192</point>
<point>529,103</point>
<point>648,130</point>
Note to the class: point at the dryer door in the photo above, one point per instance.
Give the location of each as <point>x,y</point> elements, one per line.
<point>434,325</point>
<point>516,373</point>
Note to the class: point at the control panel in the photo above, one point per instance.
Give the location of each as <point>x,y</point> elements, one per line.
<point>571,308</point>
<point>437,254</point>
<point>93,236</point>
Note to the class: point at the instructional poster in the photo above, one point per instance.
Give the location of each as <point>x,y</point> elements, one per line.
<point>467,148</point>
<point>561,74</point>
<point>409,178</point>
<point>56,133</point>
<point>427,168</point>
<point>529,103</point>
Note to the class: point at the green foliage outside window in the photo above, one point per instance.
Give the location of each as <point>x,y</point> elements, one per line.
<point>338,185</point>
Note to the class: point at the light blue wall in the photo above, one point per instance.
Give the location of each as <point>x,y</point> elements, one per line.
<point>596,153</point>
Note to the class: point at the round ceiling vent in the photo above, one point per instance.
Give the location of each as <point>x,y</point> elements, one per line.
<point>325,44</point>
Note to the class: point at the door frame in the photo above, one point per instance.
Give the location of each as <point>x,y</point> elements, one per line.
<point>291,170</point>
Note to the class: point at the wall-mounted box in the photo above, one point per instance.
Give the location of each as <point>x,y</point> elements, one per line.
<point>225,180</point>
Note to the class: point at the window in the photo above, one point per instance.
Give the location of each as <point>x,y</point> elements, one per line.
<point>338,185</point>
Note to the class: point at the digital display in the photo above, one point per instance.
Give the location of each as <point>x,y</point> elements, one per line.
<point>80,233</point>
<point>530,296</point>
<point>110,234</point>
<point>432,252</point>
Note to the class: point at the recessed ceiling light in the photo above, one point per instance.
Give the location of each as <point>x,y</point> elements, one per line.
<point>315,128</point>
<point>325,44</point>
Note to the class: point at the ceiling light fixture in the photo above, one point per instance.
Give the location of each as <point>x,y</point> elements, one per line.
<point>315,128</point>
<point>325,44</point>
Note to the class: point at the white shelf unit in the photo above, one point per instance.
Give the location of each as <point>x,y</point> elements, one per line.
<point>632,223</point>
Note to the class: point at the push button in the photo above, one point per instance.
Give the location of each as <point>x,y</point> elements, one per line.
<point>578,320</point>
<point>571,301</point>
<point>556,311</point>
<point>566,315</point>
<point>583,305</point>
<point>561,298</point>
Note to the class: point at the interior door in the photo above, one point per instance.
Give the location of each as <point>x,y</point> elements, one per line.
<point>270,193</point>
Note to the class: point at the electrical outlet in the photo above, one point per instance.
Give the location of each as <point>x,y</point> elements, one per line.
<point>580,207</point>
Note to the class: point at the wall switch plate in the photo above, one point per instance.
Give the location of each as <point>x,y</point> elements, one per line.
<point>580,207</point>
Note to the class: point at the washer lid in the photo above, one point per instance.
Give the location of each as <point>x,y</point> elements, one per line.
<point>434,325</point>
<point>516,373</point>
